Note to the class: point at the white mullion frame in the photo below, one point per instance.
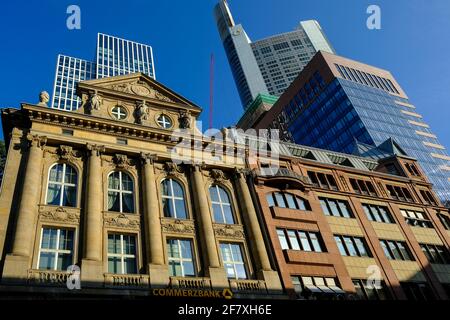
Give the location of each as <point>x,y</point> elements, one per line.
<point>56,251</point>
<point>172,198</point>
<point>142,60</point>
<point>120,190</point>
<point>122,255</point>
<point>181,259</point>
<point>233,261</point>
<point>221,204</point>
<point>61,183</point>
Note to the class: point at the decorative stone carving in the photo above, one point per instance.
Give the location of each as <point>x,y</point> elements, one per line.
<point>122,221</point>
<point>172,168</point>
<point>148,158</point>
<point>178,226</point>
<point>121,161</point>
<point>95,149</point>
<point>36,140</point>
<point>238,172</point>
<point>59,214</point>
<point>142,89</point>
<point>217,175</point>
<point>44,98</point>
<point>229,231</point>
<point>141,112</point>
<point>185,119</point>
<point>66,153</point>
<point>95,102</point>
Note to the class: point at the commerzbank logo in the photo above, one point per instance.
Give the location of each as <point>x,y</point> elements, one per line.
<point>193,293</point>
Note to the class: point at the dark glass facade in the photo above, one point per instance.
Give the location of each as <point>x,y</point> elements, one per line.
<point>334,116</point>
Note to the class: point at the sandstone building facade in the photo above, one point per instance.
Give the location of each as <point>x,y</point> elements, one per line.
<point>101,188</point>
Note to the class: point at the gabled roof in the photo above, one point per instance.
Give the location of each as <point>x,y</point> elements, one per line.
<point>141,85</point>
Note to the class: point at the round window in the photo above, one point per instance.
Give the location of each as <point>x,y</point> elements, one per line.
<point>164,121</point>
<point>119,112</point>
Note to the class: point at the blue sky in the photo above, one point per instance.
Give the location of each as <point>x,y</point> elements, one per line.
<point>413,44</point>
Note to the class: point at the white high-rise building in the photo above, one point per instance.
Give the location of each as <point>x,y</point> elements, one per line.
<point>267,66</point>
<point>114,56</point>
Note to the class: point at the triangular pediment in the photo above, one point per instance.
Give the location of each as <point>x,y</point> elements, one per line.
<point>139,85</point>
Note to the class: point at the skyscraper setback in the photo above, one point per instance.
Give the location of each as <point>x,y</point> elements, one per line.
<point>267,66</point>
<point>114,56</point>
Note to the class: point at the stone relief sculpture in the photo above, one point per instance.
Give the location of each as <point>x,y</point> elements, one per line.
<point>185,119</point>
<point>95,102</point>
<point>141,112</point>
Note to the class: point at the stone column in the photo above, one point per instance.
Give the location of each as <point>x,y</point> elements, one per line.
<point>157,269</point>
<point>251,220</point>
<point>18,263</point>
<point>92,264</point>
<point>256,241</point>
<point>213,269</point>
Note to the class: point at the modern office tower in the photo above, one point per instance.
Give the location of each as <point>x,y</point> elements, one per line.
<point>70,71</point>
<point>267,66</point>
<point>114,56</point>
<point>343,105</point>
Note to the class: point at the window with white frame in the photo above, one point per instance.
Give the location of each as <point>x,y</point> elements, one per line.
<point>174,205</point>
<point>122,254</point>
<point>62,185</point>
<point>164,121</point>
<point>120,192</point>
<point>221,205</point>
<point>56,249</point>
<point>119,112</point>
<point>181,262</point>
<point>233,260</point>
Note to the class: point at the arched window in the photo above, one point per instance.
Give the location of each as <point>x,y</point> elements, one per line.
<point>120,192</point>
<point>173,199</point>
<point>62,185</point>
<point>287,200</point>
<point>221,205</point>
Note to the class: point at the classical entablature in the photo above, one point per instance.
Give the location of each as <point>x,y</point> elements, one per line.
<point>137,99</point>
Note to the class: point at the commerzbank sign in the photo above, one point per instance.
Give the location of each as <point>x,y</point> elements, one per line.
<point>172,292</point>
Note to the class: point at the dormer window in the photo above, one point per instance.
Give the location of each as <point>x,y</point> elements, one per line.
<point>164,121</point>
<point>119,113</point>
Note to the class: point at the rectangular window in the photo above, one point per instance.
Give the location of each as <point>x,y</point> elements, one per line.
<point>300,240</point>
<point>428,197</point>
<point>416,218</point>
<point>399,193</point>
<point>67,132</point>
<point>56,249</point>
<point>121,254</point>
<point>396,250</point>
<point>181,262</point>
<point>435,254</point>
<point>445,220</point>
<point>336,208</point>
<point>122,141</point>
<point>233,260</point>
<point>363,187</point>
<point>322,180</point>
<point>377,213</point>
<point>368,291</point>
<point>352,246</point>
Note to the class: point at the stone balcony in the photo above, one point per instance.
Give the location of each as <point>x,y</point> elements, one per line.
<point>248,286</point>
<point>283,175</point>
<point>127,281</point>
<point>48,277</point>
<point>190,283</point>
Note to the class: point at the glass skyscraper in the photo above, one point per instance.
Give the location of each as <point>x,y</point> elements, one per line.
<point>340,104</point>
<point>269,65</point>
<point>114,56</point>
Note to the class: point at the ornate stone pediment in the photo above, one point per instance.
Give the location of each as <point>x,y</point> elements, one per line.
<point>143,89</point>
